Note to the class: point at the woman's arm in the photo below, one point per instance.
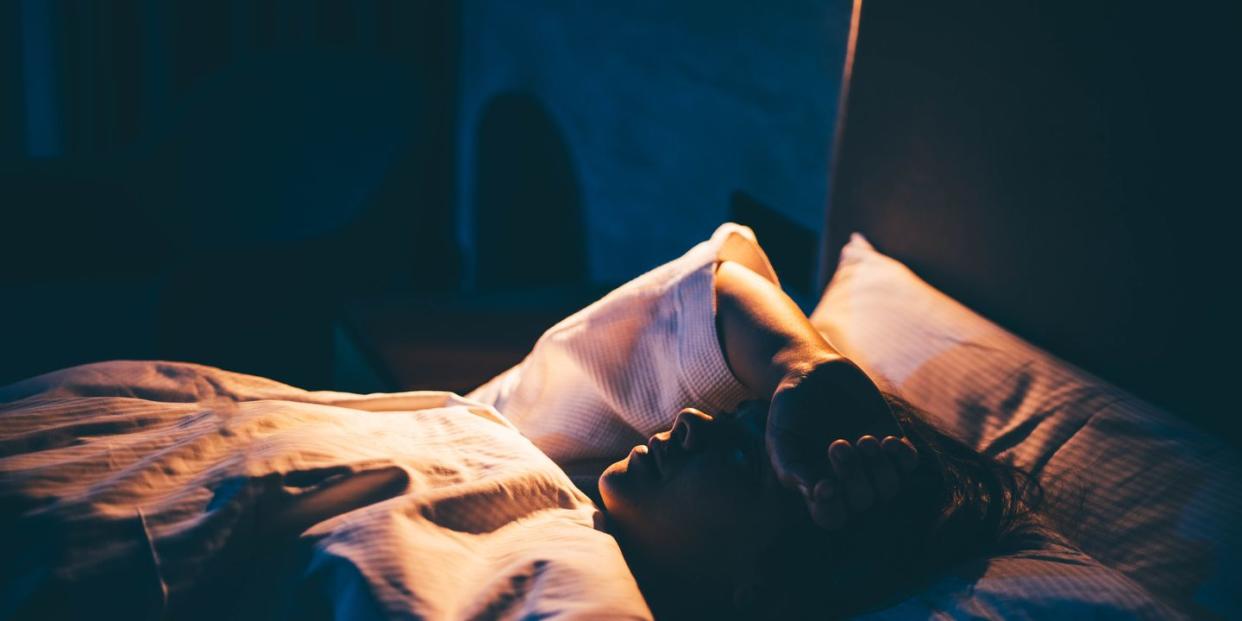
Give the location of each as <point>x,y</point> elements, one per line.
<point>764,335</point>
<point>818,400</point>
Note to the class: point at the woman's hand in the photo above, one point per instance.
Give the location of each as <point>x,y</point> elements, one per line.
<point>814,413</point>
<point>823,406</point>
<point>863,474</point>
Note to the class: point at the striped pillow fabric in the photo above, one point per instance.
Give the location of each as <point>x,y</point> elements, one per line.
<point>1127,483</point>
<point>1052,581</point>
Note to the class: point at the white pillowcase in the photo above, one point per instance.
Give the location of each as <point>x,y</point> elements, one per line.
<point>1126,482</point>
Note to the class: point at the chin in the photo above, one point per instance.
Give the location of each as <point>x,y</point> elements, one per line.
<point>612,484</point>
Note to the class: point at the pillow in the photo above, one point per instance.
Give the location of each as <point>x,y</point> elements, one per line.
<point>1126,482</point>
<point>1054,581</point>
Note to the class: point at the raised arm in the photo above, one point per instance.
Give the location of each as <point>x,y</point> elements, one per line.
<point>763,333</point>
<point>829,434</point>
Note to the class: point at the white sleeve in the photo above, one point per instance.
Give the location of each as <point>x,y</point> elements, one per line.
<point>617,371</point>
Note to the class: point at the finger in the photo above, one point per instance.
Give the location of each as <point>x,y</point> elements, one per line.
<point>881,468</point>
<point>828,508</point>
<point>902,451</point>
<point>849,472</point>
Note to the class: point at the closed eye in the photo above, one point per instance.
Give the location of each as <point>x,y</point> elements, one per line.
<point>746,462</point>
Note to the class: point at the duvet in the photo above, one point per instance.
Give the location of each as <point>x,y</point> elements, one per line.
<point>148,489</point>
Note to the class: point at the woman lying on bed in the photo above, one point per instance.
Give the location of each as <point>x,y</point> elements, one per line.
<point>770,512</point>
<point>148,489</point>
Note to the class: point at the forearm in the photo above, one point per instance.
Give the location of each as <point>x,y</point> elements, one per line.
<point>765,337</point>
<point>821,404</point>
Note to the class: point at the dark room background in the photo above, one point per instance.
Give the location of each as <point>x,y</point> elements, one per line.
<point>206,180</point>
<point>217,181</point>
<point>386,194</point>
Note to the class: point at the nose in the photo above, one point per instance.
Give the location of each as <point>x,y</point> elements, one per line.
<point>690,429</point>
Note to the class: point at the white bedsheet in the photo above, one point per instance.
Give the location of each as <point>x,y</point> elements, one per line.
<point>170,474</point>
<point>132,489</point>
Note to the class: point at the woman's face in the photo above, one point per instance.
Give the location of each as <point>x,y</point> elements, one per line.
<point>697,498</point>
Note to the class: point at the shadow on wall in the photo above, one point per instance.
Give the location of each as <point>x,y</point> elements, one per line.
<point>529,225</point>
<point>278,169</point>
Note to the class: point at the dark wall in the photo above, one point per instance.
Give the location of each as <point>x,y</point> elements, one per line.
<point>531,229</point>
<point>11,126</point>
<point>207,181</point>
<point>667,109</point>
<point>1065,168</point>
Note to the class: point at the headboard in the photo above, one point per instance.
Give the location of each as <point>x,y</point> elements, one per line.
<point>1031,162</point>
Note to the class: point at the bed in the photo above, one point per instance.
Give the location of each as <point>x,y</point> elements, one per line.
<point>983,290</point>
<point>168,489</point>
<point>140,488</point>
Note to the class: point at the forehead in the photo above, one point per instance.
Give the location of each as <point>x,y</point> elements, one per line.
<point>748,425</point>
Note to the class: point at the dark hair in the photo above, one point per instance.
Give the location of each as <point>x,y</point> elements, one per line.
<point>957,505</point>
